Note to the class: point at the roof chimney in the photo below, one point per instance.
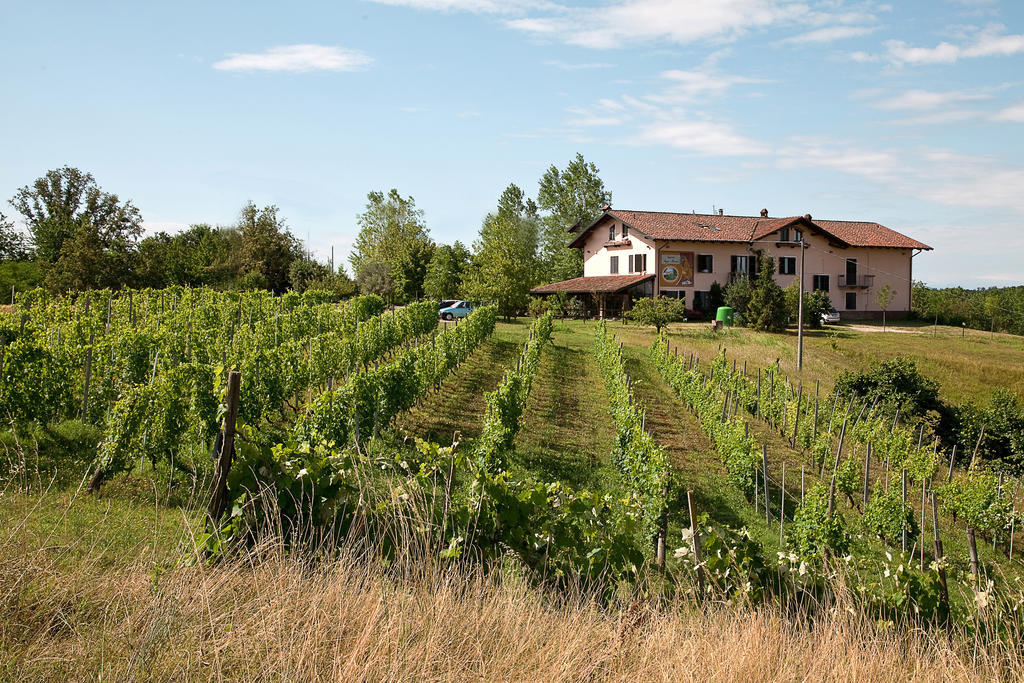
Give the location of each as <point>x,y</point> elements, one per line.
<point>764,213</point>
<point>721,212</point>
<point>606,207</point>
<point>807,216</point>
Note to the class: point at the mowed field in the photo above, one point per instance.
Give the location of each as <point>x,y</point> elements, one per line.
<point>104,587</point>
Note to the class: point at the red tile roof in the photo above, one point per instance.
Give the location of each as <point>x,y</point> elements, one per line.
<point>860,234</point>
<point>602,284</point>
<point>715,228</point>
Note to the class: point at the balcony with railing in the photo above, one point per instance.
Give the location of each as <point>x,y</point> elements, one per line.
<point>858,282</point>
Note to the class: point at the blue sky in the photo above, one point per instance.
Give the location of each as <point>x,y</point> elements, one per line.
<point>906,113</point>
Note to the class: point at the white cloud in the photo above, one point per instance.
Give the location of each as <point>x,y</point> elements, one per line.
<point>925,99</point>
<point>480,6</point>
<point>564,66</point>
<point>939,117</point>
<point>688,86</point>
<point>296,58</point>
<point>936,175</point>
<point>1013,113</point>
<point>616,23</point>
<point>988,42</point>
<point>662,118</point>
<point>632,21</point>
<point>830,34</point>
<point>706,138</point>
<point>863,57</point>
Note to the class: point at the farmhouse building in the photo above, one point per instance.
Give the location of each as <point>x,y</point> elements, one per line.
<point>631,254</point>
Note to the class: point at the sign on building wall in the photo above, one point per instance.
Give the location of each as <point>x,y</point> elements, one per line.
<point>676,269</point>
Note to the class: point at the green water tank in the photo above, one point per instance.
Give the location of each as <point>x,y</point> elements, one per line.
<point>724,316</point>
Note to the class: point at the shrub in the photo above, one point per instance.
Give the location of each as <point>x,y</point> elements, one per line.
<point>575,308</point>
<point>849,478</point>
<point>657,312</point>
<point>737,296</point>
<point>897,382</point>
<point>538,307</point>
<point>887,515</point>
<point>813,532</point>
<point>816,304</point>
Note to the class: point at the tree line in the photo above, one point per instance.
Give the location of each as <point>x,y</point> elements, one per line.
<point>78,236</point>
<point>998,309</point>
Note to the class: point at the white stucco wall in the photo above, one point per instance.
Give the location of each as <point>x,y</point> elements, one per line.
<point>888,266</point>
<point>597,256</point>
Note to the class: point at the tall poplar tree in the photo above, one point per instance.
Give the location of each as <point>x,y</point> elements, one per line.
<point>505,263</point>
<point>573,195</point>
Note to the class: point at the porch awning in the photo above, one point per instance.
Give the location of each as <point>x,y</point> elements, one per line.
<point>597,284</point>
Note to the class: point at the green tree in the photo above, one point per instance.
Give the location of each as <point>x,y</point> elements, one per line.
<point>392,232</point>
<point>13,246</point>
<point>87,261</point>
<point>767,308</point>
<point>716,297</point>
<point>658,312</point>
<point>60,204</point>
<point>267,246</point>
<point>573,195</point>
<point>304,272</point>
<point>200,255</point>
<point>375,278</point>
<point>884,298</point>
<point>992,310</point>
<point>445,272</point>
<point>505,255</point>
<point>737,296</point>
<point>816,304</point>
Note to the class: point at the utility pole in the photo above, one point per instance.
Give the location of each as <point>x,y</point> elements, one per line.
<point>800,313</point>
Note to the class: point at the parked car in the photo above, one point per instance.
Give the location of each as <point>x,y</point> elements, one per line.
<point>460,309</point>
<point>830,317</point>
<point>445,303</point>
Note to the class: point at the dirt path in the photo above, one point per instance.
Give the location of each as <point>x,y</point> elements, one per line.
<point>459,404</point>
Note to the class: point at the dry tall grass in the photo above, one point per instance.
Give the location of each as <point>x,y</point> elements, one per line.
<point>269,616</point>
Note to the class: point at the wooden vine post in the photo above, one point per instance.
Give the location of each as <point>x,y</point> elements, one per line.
<point>867,474</point>
<point>695,539</point>
<point>662,532</point>
<point>764,474</point>
<point>219,487</point>
<point>903,522</point>
<point>943,589</point>
<point>835,472</point>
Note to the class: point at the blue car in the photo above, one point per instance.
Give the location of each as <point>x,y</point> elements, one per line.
<point>459,309</point>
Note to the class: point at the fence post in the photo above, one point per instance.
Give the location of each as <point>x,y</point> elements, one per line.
<point>695,539</point>
<point>796,420</point>
<point>867,474</point>
<point>88,377</point>
<point>943,590</point>
<point>219,487</point>
<point>903,523</point>
<point>924,499</point>
<point>801,485</point>
<point>835,470</point>
<point>972,546</point>
<point>662,531</point>
<point>782,503</point>
<point>764,468</point>
<point>952,458</point>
